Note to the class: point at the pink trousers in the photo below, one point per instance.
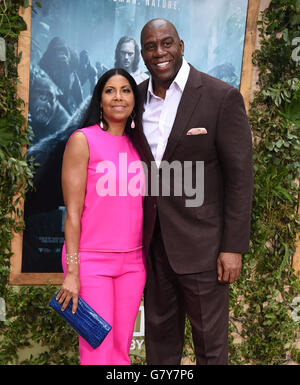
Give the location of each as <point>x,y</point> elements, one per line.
<point>112,284</point>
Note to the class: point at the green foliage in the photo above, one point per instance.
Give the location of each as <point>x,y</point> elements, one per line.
<point>30,320</point>
<point>262,330</point>
<point>15,172</point>
<point>261,299</point>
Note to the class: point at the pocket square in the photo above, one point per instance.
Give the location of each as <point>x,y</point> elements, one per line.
<point>197,131</point>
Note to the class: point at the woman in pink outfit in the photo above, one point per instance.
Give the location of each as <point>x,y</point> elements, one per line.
<point>103,186</point>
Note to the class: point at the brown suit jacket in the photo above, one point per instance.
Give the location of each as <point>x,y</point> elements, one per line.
<point>194,236</point>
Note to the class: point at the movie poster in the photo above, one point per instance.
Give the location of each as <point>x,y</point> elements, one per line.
<point>73,42</point>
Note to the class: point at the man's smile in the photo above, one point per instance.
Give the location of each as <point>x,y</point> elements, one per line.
<point>162,65</point>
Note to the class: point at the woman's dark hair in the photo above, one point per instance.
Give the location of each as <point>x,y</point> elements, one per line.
<point>92,115</point>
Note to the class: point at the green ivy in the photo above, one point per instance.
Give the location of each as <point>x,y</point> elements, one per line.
<point>15,170</point>
<point>262,330</point>
<point>261,301</point>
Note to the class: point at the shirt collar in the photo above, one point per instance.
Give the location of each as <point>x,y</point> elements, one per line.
<point>180,80</point>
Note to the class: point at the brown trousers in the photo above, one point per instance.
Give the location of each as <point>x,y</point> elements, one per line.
<point>169,297</point>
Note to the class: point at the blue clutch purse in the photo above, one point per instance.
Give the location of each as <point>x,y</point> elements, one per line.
<point>87,323</point>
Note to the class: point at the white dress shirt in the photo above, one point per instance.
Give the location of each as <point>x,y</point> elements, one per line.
<point>159,115</point>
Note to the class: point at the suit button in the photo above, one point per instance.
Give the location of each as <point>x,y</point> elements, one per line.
<point>154,206</point>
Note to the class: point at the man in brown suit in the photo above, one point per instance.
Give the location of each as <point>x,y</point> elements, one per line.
<point>194,253</point>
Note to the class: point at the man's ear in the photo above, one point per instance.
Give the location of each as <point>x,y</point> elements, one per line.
<point>182,47</point>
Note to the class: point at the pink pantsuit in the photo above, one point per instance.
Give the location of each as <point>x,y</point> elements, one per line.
<point>112,262</point>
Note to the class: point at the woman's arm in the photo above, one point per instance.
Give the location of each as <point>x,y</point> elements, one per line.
<point>74,177</point>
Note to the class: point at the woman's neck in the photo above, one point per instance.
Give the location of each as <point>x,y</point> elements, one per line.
<point>116,128</point>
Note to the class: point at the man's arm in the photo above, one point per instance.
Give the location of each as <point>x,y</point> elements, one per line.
<point>234,143</point>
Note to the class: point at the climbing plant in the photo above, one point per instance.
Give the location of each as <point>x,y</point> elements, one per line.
<point>262,313</point>
<point>263,327</point>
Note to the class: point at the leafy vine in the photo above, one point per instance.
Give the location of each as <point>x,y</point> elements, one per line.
<point>261,301</point>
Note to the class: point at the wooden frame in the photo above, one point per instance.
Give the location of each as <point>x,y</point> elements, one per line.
<point>16,275</point>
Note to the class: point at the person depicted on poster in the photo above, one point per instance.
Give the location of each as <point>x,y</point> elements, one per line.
<point>46,113</point>
<point>193,252</point>
<point>87,72</point>
<point>100,69</point>
<point>127,56</point>
<point>61,64</point>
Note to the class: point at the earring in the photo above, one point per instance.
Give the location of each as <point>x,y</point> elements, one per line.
<point>132,123</point>
<point>101,123</point>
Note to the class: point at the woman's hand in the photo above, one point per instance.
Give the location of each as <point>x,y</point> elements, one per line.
<point>70,290</point>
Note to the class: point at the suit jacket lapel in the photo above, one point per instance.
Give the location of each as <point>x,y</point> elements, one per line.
<point>139,137</point>
<point>189,100</point>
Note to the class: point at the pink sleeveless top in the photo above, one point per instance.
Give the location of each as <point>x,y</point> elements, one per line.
<point>112,217</point>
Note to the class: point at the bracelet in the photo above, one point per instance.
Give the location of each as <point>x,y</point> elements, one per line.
<point>72,258</point>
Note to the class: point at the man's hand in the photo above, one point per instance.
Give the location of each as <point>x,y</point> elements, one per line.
<point>229,267</point>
